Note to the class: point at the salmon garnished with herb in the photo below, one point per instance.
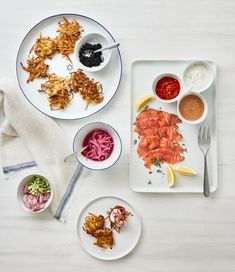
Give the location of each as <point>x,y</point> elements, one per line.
<point>158,137</point>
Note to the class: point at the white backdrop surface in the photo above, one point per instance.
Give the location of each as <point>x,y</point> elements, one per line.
<point>180,232</point>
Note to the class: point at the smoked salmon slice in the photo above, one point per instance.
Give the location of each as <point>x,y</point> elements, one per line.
<point>151,118</point>
<point>149,143</point>
<point>158,137</point>
<point>169,132</point>
<point>162,155</point>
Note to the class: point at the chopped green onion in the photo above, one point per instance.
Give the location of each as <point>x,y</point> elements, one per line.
<point>38,185</point>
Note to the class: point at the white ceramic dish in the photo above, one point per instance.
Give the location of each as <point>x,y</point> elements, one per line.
<point>125,241</point>
<point>140,178</point>
<point>167,100</point>
<point>202,118</point>
<point>210,80</point>
<point>20,193</point>
<point>97,165</point>
<point>94,38</point>
<point>109,77</point>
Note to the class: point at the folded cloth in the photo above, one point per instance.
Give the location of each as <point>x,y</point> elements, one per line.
<point>41,138</point>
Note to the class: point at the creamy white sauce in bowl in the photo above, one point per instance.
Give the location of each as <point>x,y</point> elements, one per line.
<point>198,76</point>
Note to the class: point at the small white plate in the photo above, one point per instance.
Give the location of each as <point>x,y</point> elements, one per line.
<point>125,241</point>
<point>109,76</point>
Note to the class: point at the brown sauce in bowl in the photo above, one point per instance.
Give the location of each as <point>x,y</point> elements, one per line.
<point>191,107</point>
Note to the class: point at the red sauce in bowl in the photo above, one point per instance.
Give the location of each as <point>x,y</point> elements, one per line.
<point>167,88</point>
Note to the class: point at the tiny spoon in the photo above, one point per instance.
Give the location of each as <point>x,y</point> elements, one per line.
<point>89,53</point>
<point>71,156</point>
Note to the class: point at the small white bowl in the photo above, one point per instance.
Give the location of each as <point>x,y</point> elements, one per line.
<point>94,38</point>
<point>20,193</point>
<point>97,165</point>
<point>202,118</point>
<point>210,80</point>
<point>155,84</point>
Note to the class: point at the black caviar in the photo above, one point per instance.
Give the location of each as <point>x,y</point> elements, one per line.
<point>95,59</point>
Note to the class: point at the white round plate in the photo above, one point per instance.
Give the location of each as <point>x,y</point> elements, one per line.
<point>109,77</point>
<point>125,241</point>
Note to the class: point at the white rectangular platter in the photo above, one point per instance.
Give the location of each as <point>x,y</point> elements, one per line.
<point>143,73</point>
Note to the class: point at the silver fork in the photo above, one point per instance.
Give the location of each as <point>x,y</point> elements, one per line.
<point>204,144</point>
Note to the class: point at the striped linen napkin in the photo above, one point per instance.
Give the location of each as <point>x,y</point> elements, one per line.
<point>32,142</point>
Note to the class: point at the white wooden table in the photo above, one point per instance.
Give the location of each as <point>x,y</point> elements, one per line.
<point>180,232</point>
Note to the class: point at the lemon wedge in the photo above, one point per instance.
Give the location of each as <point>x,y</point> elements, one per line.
<point>186,171</point>
<point>170,174</point>
<point>143,101</point>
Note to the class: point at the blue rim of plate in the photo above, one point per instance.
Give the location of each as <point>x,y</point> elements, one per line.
<point>103,123</point>
<point>68,14</point>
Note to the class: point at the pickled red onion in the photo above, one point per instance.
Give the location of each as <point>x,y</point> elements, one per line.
<point>98,145</point>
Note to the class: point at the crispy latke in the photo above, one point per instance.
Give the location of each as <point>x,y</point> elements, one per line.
<point>93,223</point>
<point>44,47</point>
<point>36,68</point>
<point>69,33</point>
<point>104,238</point>
<point>90,90</point>
<point>57,89</point>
